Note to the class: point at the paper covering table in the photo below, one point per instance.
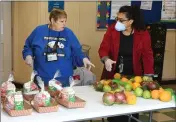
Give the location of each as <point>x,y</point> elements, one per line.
<point>94,108</point>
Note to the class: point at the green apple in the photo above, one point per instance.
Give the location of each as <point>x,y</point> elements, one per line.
<point>138,92</point>
<point>106,88</point>
<point>128,87</point>
<point>146,94</point>
<point>117,90</point>
<point>98,86</point>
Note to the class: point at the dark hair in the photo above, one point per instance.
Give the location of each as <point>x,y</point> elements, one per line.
<point>56,14</point>
<point>134,13</point>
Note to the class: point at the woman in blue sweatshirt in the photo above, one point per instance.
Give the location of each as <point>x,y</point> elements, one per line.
<point>51,47</point>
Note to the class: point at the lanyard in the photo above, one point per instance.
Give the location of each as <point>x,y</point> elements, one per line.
<point>121,64</point>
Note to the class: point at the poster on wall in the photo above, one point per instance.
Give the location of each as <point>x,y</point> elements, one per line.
<point>55,4</point>
<point>168,12</point>
<point>103,14</point>
<point>115,6</point>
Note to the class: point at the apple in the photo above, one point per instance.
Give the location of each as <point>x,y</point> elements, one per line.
<point>138,92</point>
<point>128,87</point>
<point>106,88</point>
<point>113,86</point>
<point>146,94</point>
<point>108,98</point>
<point>120,97</point>
<point>98,86</point>
<point>153,85</point>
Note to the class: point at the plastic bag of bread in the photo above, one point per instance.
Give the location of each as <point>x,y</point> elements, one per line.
<point>42,99</point>
<point>68,93</point>
<point>15,101</point>
<point>8,87</point>
<point>30,87</point>
<point>55,85</point>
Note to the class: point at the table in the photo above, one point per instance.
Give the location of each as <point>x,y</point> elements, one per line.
<point>94,109</point>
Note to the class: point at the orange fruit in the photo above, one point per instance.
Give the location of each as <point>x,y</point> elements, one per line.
<point>124,79</point>
<point>117,75</point>
<point>161,90</point>
<point>165,96</point>
<point>135,85</point>
<point>127,93</point>
<point>138,79</point>
<point>106,82</point>
<point>131,99</point>
<point>102,81</point>
<point>155,94</point>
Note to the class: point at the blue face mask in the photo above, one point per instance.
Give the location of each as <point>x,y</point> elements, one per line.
<point>120,26</point>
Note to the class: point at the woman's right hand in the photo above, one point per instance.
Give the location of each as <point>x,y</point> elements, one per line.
<point>108,64</point>
<point>29,60</point>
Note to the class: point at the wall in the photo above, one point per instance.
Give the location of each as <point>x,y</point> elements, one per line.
<point>5,41</point>
<point>169,68</point>
<point>25,20</point>
<point>82,20</point>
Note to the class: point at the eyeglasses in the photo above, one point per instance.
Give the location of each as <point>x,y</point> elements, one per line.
<point>120,20</point>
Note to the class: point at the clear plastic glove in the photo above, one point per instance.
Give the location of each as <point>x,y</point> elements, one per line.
<point>29,60</point>
<point>87,63</point>
<point>108,64</point>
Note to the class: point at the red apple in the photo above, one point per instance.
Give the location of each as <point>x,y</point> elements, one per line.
<point>108,98</point>
<point>120,97</point>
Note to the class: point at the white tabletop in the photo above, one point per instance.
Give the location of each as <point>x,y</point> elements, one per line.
<point>94,109</point>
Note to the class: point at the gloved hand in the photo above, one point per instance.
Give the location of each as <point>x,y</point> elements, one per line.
<point>108,64</point>
<point>87,63</point>
<point>29,60</point>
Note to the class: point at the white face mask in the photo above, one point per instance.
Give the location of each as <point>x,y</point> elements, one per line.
<point>120,26</point>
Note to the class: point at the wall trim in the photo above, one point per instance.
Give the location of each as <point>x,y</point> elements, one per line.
<point>168,82</point>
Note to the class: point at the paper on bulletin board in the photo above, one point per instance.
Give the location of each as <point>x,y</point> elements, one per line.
<point>146,5</point>
<point>115,6</point>
<point>168,12</point>
<point>55,4</point>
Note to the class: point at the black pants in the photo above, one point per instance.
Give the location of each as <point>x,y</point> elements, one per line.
<point>122,118</point>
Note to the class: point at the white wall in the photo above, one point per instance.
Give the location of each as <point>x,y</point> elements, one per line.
<point>5,41</point>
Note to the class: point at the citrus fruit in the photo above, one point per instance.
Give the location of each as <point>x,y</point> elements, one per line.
<point>165,96</point>
<point>155,94</point>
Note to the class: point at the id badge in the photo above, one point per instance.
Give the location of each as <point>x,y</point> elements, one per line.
<point>51,57</point>
<point>120,68</point>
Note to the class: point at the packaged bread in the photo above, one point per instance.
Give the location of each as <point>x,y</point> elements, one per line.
<point>15,101</point>
<point>30,87</point>
<point>42,99</point>
<point>68,93</point>
<point>8,87</point>
<point>53,84</point>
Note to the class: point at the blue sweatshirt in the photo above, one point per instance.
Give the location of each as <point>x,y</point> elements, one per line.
<point>35,46</point>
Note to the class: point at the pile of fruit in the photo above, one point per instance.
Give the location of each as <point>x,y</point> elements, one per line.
<point>128,88</point>
<point>119,97</point>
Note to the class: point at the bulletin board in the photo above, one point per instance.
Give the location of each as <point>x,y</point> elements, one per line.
<point>150,16</point>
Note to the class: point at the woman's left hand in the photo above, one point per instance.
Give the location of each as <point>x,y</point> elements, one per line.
<point>87,63</point>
